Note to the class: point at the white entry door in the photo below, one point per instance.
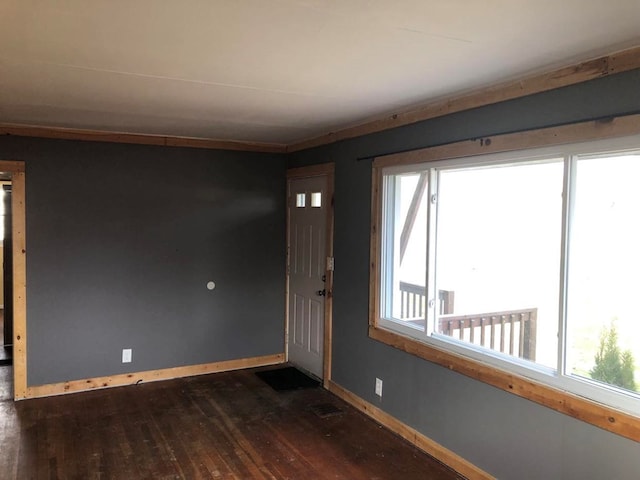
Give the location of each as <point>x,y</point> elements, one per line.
<point>308,207</point>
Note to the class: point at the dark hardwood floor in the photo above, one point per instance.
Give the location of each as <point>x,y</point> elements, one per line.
<point>221,426</point>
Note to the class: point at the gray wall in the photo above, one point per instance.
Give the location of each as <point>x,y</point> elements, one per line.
<point>121,242</point>
<point>509,437</point>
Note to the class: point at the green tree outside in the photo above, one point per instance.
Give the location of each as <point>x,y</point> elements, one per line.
<point>612,365</point>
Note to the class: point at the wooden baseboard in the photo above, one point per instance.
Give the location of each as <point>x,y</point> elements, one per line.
<point>424,443</point>
<point>83,385</point>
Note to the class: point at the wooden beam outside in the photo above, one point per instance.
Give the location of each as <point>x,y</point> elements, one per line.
<point>581,72</point>
<point>412,213</point>
<point>133,138</point>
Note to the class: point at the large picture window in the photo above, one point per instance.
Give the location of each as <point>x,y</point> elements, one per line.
<point>526,260</point>
<point>493,234</point>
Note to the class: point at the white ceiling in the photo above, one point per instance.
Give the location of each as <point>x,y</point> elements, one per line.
<point>278,71</point>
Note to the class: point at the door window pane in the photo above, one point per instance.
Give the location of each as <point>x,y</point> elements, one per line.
<point>316,199</point>
<point>498,258</point>
<point>603,318</point>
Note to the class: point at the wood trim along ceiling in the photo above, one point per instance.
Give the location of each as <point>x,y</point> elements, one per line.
<point>413,436</point>
<point>600,67</point>
<point>83,385</point>
<point>140,139</point>
<point>581,72</point>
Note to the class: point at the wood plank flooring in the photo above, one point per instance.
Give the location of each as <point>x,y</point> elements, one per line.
<point>220,426</point>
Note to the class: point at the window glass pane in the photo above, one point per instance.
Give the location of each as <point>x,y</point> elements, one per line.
<point>316,199</point>
<point>405,249</point>
<point>603,319</point>
<point>498,258</point>
<point>301,200</point>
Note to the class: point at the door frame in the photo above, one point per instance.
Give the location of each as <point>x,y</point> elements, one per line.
<point>320,170</point>
<point>16,169</point>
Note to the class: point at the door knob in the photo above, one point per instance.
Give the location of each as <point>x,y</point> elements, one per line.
<point>321,293</point>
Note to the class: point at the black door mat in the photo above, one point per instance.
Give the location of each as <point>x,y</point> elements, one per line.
<point>288,378</point>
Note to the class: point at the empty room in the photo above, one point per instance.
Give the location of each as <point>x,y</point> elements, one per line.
<point>236,242</point>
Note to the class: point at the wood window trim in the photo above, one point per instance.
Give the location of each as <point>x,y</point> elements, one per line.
<point>590,411</point>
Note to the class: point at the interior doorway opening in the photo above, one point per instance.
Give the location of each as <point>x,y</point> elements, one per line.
<point>6,280</point>
<point>15,278</point>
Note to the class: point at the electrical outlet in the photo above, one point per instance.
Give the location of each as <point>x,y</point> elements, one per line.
<point>379,387</point>
<point>126,355</point>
